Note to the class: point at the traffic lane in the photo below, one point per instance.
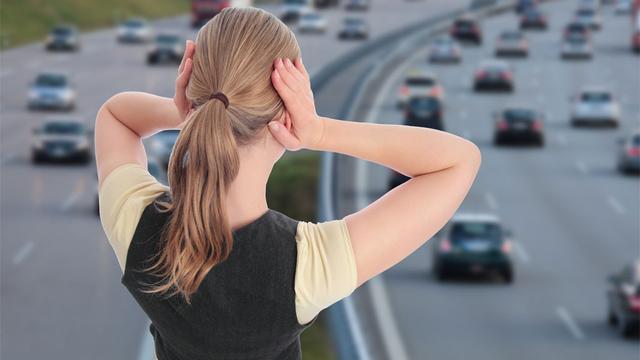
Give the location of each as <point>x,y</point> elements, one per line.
<point>480,203</point>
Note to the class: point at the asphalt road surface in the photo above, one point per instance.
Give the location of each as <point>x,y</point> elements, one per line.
<point>575,218</point>
<point>60,295</point>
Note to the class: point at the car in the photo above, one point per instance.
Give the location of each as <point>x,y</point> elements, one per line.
<point>63,37</point>
<point>512,43</point>
<point>424,111</point>
<point>51,90</point>
<point>312,22</point>
<point>589,4</point>
<point>623,7</point>
<point>357,5</point>
<point>576,47</point>
<point>292,10</point>
<point>575,28</point>
<point>203,10</point>
<point>466,28</point>
<point>635,41</point>
<point>161,145</point>
<point>419,82</point>
<point>445,49</point>
<point>354,28</point>
<point>588,17</point>
<point>524,5</point>
<point>629,153</point>
<point>623,299</point>
<point>168,48</point>
<point>493,75</point>
<point>134,30</point>
<point>517,125</point>
<point>155,169</point>
<point>595,106</point>
<point>473,243</point>
<point>533,18</point>
<point>61,140</point>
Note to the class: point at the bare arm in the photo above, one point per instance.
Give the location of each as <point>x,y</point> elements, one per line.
<point>126,118</point>
<point>442,166</point>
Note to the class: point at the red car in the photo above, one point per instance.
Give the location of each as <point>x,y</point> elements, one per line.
<point>203,10</point>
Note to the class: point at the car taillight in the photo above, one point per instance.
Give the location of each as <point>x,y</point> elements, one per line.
<point>436,91</point>
<point>634,303</point>
<point>502,125</point>
<point>404,90</point>
<point>505,75</point>
<point>506,247</point>
<point>475,30</point>
<point>445,246</point>
<point>480,74</point>
<point>537,125</point>
<point>634,151</point>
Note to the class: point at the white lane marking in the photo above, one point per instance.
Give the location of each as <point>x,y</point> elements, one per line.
<point>519,249</point>
<point>562,139</point>
<point>75,195</point>
<point>491,200</point>
<point>23,252</point>
<point>616,205</point>
<point>567,319</point>
<point>582,166</point>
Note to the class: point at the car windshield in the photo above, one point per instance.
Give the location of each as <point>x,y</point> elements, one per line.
<point>310,17</point>
<point>167,39</point>
<point>519,114</point>
<point>635,140</point>
<point>464,23</point>
<point>464,231</point>
<point>67,128</point>
<point>576,27</point>
<point>511,36</point>
<point>585,12</point>
<point>51,80</point>
<point>295,2</point>
<point>353,22</point>
<point>576,40</point>
<point>134,23</point>
<point>596,97</point>
<point>424,103</point>
<point>62,31</point>
<point>420,81</point>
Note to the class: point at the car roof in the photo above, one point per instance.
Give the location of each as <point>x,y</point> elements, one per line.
<point>476,217</point>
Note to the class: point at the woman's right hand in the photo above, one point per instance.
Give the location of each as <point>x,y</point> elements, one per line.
<point>300,126</point>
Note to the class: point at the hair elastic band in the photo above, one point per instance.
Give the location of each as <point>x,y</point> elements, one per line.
<point>222,97</point>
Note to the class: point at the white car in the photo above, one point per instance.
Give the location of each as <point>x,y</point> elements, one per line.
<point>595,106</point>
<point>135,30</point>
<point>623,7</point>
<point>445,49</point>
<point>512,43</point>
<point>312,22</point>
<point>576,46</point>
<point>419,83</point>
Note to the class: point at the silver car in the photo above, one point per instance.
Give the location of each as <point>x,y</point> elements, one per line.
<point>595,107</point>
<point>63,37</point>
<point>312,22</point>
<point>51,91</point>
<point>136,30</point>
<point>419,83</point>
<point>512,43</point>
<point>576,46</point>
<point>588,17</point>
<point>629,153</point>
<point>61,140</point>
<point>444,50</point>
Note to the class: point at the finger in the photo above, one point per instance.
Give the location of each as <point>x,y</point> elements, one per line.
<point>284,136</point>
<point>300,66</point>
<point>283,90</point>
<point>185,75</point>
<point>288,64</point>
<point>286,77</point>
<point>189,49</point>
<point>287,120</point>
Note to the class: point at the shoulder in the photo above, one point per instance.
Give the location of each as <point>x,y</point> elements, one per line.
<point>123,196</point>
<point>325,267</point>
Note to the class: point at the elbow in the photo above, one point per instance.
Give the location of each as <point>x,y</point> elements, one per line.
<point>473,157</point>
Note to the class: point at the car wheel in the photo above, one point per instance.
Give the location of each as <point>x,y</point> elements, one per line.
<point>625,327</point>
<point>540,142</point>
<point>497,141</point>
<point>439,273</point>
<point>35,158</point>
<point>507,276</point>
<point>612,319</point>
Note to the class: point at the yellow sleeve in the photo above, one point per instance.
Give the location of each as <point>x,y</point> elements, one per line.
<point>325,268</point>
<point>122,197</point>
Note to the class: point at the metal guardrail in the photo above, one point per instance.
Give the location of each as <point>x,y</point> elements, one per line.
<point>346,331</point>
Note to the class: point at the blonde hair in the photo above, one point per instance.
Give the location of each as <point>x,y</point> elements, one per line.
<point>234,55</point>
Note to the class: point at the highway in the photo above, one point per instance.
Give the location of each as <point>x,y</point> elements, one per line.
<point>575,218</point>
<point>61,297</point>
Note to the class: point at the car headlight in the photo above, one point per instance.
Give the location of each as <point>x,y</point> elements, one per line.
<point>122,31</point>
<point>33,94</point>
<point>67,95</point>
<point>37,143</point>
<point>83,144</point>
<point>49,39</point>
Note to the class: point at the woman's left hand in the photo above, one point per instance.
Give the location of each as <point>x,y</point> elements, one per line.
<point>184,73</point>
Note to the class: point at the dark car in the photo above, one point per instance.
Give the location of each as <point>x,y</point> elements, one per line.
<point>466,29</point>
<point>473,244</point>
<point>576,29</point>
<point>623,298</point>
<point>533,19</point>
<point>517,125</point>
<point>493,75</point>
<point>61,140</point>
<point>525,5</point>
<point>357,4</point>
<point>424,111</point>
<point>168,48</point>
<point>203,10</point>
<point>354,28</point>
<point>63,37</point>
<point>629,153</point>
